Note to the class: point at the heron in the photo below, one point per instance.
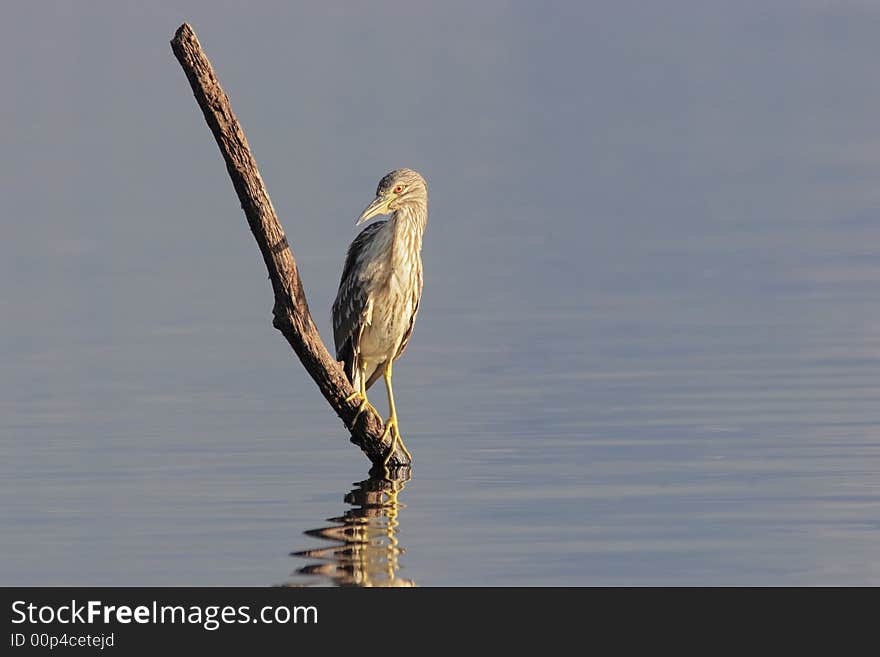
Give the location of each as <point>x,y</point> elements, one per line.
<point>375,309</point>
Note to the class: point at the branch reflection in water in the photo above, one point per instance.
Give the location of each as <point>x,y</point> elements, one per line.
<point>366,550</point>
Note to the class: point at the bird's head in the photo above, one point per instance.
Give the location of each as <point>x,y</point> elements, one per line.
<point>399,189</point>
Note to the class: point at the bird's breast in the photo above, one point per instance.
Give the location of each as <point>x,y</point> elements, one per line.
<point>393,291</point>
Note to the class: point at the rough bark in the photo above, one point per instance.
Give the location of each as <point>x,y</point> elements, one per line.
<point>291,311</point>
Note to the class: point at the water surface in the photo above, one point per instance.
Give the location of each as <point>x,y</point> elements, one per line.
<point>648,347</point>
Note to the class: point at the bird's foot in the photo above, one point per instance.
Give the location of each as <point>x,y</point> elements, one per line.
<point>396,441</point>
<point>365,406</point>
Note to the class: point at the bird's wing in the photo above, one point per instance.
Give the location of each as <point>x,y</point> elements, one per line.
<point>412,321</point>
<point>351,301</point>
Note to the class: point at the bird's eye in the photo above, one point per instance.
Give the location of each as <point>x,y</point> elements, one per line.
<point>398,189</point>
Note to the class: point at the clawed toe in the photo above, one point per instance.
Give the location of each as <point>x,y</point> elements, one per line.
<point>396,441</point>
<point>365,406</point>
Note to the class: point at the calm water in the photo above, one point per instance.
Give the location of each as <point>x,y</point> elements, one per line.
<point>649,343</point>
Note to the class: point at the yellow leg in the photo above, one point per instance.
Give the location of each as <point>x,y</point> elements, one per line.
<point>362,394</point>
<point>391,425</point>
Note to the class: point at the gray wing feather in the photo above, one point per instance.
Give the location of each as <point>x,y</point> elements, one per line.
<point>351,299</point>
<point>412,323</point>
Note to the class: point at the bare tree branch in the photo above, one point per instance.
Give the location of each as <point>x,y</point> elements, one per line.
<point>291,310</point>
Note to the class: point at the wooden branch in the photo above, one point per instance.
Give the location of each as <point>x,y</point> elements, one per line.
<point>291,310</point>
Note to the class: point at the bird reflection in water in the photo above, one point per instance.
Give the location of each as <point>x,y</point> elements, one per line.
<point>366,550</point>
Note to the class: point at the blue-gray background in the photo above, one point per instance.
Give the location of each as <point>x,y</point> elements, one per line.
<point>649,341</point>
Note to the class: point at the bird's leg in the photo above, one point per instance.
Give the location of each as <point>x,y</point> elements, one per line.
<point>362,394</point>
<point>391,425</point>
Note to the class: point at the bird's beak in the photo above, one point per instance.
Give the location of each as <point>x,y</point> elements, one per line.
<point>377,207</point>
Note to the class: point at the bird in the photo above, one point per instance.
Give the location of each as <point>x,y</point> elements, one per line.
<point>380,290</point>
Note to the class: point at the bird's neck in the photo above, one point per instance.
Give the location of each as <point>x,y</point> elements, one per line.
<point>411,220</point>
